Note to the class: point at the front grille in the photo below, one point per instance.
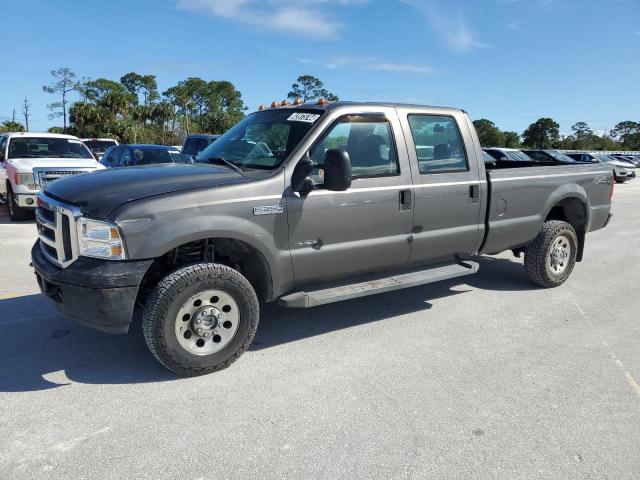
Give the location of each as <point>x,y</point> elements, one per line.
<point>45,177</point>
<point>57,230</point>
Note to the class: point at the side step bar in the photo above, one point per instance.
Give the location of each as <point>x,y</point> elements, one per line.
<point>314,298</point>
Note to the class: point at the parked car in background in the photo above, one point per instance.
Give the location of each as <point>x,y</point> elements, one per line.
<point>508,154</point>
<point>634,160</point>
<point>549,156</point>
<point>622,171</point>
<point>30,161</point>
<point>134,155</point>
<point>194,144</point>
<point>99,145</point>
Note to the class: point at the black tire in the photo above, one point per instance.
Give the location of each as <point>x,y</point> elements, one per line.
<point>160,317</point>
<point>538,254</point>
<point>620,180</point>
<point>16,213</point>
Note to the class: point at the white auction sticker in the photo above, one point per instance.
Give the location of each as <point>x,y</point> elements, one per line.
<point>74,141</point>
<point>303,117</point>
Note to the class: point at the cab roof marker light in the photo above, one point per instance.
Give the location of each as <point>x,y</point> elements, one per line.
<point>275,105</point>
<point>297,101</point>
<point>260,108</point>
<point>322,101</point>
<point>284,103</point>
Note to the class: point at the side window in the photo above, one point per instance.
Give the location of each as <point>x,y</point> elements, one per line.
<point>369,141</point>
<point>125,159</point>
<point>438,144</point>
<point>3,146</point>
<point>202,144</point>
<point>115,157</point>
<point>190,146</point>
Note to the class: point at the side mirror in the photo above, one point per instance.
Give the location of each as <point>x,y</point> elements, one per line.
<point>337,170</point>
<point>301,182</point>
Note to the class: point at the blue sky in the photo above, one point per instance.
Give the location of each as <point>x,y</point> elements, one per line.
<point>511,61</point>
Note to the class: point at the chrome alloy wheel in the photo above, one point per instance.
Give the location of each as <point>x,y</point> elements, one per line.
<point>207,322</point>
<point>559,255</point>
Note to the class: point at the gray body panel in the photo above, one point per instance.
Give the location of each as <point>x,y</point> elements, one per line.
<point>328,236</point>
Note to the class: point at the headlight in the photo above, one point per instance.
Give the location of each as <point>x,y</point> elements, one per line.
<point>100,240</point>
<point>26,179</point>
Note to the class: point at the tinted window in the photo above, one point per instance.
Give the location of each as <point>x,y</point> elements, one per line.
<point>438,144</point>
<point>368,140</point>
<point>126,159</point>
<point>115,156</point>
<point>99,145</point>
<point>190,146</point>
<point>202,144</point>
<point>150,156</point>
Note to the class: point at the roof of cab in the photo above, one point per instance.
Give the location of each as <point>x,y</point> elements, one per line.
<point>333,105</point>
<point>147,147</point>
<point>39,135</point>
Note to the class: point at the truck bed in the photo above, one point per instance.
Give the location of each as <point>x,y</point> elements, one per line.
<point>522,195</point>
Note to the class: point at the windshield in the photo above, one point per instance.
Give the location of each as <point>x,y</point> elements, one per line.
<point>518,156</point>
<point>99,145</point>
<point>602,157</point>
<point>147,156</point>
<point>559,156</point>
<point>44,147</point>
<point>263,140</point>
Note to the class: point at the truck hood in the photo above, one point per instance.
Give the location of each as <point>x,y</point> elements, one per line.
<point>25,165</point>
<point>99,193</point>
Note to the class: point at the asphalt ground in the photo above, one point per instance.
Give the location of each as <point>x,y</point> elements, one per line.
<point>482,377</point>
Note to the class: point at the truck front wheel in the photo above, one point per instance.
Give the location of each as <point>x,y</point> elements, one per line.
<point>201,318</point>
<point>550,258</point>
<point>16,213</point>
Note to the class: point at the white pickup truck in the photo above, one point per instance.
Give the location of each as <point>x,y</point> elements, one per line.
<point>30,161</point>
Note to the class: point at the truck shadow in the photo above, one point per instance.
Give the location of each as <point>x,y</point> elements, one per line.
<point>43,350</point>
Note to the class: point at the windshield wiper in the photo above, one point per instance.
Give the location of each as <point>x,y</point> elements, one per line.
<point>224,161</point>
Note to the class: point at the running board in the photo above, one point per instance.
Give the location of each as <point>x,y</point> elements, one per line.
<point>314,298</point>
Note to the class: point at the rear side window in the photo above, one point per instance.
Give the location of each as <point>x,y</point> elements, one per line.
<point>438,144</point>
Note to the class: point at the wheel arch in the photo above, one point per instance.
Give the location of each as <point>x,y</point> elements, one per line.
<point>572,208</point>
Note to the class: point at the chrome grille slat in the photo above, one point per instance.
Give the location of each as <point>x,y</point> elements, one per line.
<point>57,210</point>
<point>45,176</point>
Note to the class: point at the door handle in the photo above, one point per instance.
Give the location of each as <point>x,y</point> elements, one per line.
<point>474,193</point>
<point>405,200</point>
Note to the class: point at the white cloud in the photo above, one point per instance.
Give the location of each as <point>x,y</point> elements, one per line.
<point>451,29</point>
<point>303,17</point>
<point>369,63</point>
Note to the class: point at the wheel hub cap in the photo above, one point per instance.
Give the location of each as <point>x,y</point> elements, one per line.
<point>559,255</point>
<point>207,322</point>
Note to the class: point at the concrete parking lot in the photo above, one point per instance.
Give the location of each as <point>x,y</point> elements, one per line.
<point>483,377</point>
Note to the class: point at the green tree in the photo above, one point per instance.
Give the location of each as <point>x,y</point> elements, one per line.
<point>544,133</point>
<point>64,82</point>
<point>11,126</point>
<point>488,133</point>
<point>511,139</point>
<point>308,87</point>
<point>137,84</point>
<point>55,130</point>
<point>583,135</point>
<point>627,133</point>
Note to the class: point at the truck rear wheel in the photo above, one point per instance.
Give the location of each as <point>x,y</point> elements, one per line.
<point>201,318</point>
<point>550,258</point>
<point>16,213</point>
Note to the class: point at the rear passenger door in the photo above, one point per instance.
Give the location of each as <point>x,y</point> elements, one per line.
<point>367,227</point>
<point>447,210</point>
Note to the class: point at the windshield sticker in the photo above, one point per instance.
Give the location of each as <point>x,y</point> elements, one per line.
<point>303,117</point>
<point>74,141</point>
<point>174,151</point>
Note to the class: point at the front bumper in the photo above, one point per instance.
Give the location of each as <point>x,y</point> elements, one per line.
<point>27,200</point>
<point>100,294</point>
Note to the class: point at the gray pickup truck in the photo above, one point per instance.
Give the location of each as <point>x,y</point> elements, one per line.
<point>307,205</point>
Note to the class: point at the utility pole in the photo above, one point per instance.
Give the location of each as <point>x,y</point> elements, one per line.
<point>13,118</point>
<point>25,112</point>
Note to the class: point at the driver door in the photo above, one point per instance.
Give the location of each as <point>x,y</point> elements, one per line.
<point>367,227</point>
